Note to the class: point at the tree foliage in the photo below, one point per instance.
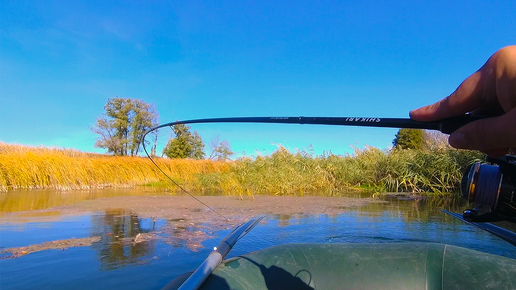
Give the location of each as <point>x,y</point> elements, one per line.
<point>220,150</point>
<point>435,141</point>
<point>185,144</point>
<point>409,139</point>
<point>123,124</point>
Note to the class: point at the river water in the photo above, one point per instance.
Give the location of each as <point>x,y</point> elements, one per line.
<point>116,261</point>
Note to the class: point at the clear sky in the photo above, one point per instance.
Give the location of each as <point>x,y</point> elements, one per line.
<point>61,60</point>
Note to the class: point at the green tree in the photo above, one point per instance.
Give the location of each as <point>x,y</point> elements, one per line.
<point>123,124</point>
<point>143,118</point>
<point>185,144</point>
<point>409,139</point>
<point>220,150</point>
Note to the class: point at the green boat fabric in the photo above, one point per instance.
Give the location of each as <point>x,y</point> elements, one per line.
<point>364,266</point>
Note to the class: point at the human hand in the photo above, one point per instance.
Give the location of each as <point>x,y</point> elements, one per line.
<point>490,91</point>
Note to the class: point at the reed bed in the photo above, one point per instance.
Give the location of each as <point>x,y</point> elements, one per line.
<point>24,167</point>
<point>437,172</point>
<point>281,173</point>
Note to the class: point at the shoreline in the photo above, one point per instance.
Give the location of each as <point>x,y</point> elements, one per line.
<point>180,206</point>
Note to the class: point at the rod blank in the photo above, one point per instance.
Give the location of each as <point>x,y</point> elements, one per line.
<point>446,126</point>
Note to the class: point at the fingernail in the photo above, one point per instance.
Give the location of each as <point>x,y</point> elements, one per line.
<point>458,140</point>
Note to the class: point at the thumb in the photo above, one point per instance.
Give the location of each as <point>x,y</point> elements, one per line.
<point>487,134</point>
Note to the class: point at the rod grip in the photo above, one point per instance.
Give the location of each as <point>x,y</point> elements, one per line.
<point>450,125</point>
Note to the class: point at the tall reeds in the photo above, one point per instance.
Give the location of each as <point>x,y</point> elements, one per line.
<point>281,173</point>
<point>23,167</point>
<point>285,173</point>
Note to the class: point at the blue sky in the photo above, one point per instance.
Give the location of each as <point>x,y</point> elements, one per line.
<point>60,62</point>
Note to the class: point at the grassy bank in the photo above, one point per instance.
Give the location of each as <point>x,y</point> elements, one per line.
<point>281,173</point>
<point>23,167</point>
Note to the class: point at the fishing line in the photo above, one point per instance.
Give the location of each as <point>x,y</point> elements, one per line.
<point>169,178</point>
<point>248,231</point>
<point>488,188</point>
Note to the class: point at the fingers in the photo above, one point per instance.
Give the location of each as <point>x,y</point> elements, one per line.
<point>492,135</point>
<point>466,98</point>
<point>489,91</point>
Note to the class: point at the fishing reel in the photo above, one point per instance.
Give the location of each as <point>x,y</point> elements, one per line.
<point>492,190</point>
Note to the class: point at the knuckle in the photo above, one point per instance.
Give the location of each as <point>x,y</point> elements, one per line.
<point>507,53</point>
<point>503,59</point>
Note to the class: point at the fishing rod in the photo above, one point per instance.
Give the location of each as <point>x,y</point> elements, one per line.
<point>446,126</point>
<point>502,233</point>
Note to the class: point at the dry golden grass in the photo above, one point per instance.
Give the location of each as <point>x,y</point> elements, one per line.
<point>25,167</point>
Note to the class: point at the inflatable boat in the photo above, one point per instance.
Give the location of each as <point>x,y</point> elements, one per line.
<point>349,266</point>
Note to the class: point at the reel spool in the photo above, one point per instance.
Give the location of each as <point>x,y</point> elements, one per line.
<point>492,189</point>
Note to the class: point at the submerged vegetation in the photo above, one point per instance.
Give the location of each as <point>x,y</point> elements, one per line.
<point>281,173</point>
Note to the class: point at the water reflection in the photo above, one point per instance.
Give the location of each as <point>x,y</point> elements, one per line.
<point>127,239</point>
<point>124,239</point>
<point>409,210</point>
<point>25,200</point>
<point>31,216</point>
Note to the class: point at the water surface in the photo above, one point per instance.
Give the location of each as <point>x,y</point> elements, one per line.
<point>116,261</point>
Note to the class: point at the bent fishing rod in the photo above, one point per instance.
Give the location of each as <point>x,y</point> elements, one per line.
<point>446,126</point>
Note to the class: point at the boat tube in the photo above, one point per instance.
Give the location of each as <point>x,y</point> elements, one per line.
<point>362,266</point>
